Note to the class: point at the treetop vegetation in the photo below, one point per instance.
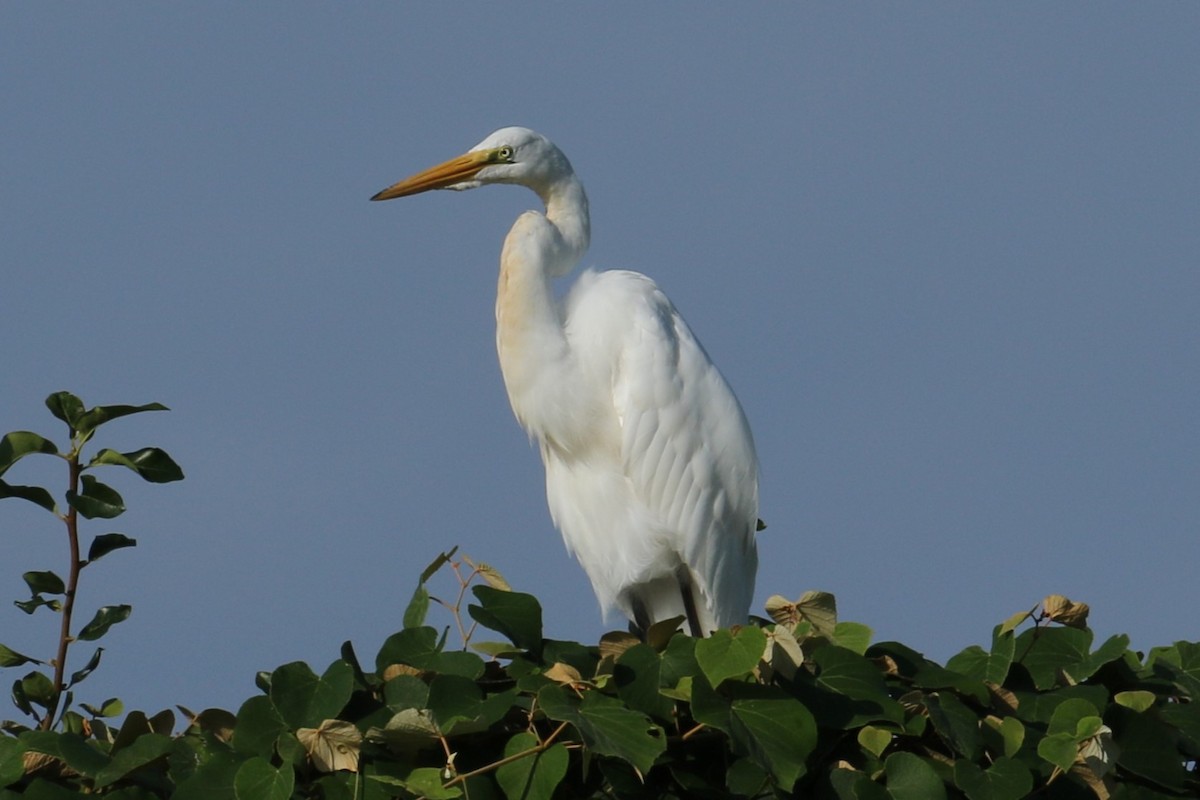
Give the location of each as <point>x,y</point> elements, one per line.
<point>470,700</point>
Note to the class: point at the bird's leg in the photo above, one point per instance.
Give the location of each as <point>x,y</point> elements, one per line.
<point>684,576</point>
<point>641,617</point>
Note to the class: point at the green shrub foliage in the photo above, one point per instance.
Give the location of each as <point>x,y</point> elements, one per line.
<point>799,704</point>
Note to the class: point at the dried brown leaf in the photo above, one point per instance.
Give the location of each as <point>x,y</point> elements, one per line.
<point>332,746</point>
<point>783,653</point>
<point>1063,611</point>
<point>395,670</point>
<point>491,575</point>
<point>782,610</point>
<point>563,673</point>
<point>614,643</point>
<point>1002,699</point>
<point>820,609</point>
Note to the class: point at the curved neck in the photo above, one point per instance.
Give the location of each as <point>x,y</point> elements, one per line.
<point>535,356</point>
<point>567,210</point>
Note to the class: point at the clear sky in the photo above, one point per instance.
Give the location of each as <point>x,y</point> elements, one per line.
<point>947,255</point>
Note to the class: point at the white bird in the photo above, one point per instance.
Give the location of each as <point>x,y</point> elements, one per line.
<point>651,473</point>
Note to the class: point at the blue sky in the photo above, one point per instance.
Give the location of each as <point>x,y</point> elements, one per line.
<point>946,254</point>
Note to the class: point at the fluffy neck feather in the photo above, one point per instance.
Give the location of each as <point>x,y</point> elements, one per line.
<point>535,357</point>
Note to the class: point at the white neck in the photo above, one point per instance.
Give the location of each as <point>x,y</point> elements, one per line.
<point>535,356</point>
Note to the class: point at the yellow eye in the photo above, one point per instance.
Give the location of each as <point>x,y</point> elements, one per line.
<point>504,154</point>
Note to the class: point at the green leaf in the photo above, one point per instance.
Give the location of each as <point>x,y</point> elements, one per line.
<point>294,754</point>
<point>111,707</point>
<point>1069,713</point>
<point>1181,664</point>
<point>1005,779</point>
<point>37,688</point>
<point>977,663</point>
<point>29,606</point>
<point>337,786</point>
<point>679,660</point>
<point>779,733</point>
<point>417,647</point>
<point>536,776</point>
<point>1059,749</point>
<point>853,636</point>
<point>1051,650</point>
<point>607,726</point>
<point>709,707</point>
<point>418,607</point>
<point>746,778</point>
<point>1138,700</point>
<point>11,658</point>
<point>12,760</point>
<point>459,662</point>
<point>34,494</point>
<point>97,500</point>
<point>1148,748</point>
<point>637,676</point>
<point>1003,735</point>
<point>437,563</point>
<point>105,543</point>
<point>846,672</point>
<point>46,582</point>
<point>850,784</point>
<point>1048,650</point>
<point>212,780</point>
<point>18,444</point>
<point>153,464</point>
<point>849,690</point>
<point>66,407</point>
<point>514,614</point>
<point>406,691</point>
<point>136,724</point>
<point>104,619</point>
<point>305,700</point>
<point>94,418</point>
<point>1186,718</point>
<point>727,655</point>
<point>258,780</point>
<point>955,723</point>
<point>453,699</point>
<point>874,740</point>
<point>427,782</point>
<point>259,723</point>
<point>145,749</point>
<point>91,665</point>
<point>911,777</point>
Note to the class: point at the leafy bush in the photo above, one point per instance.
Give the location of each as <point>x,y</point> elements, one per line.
<point>798,705</point>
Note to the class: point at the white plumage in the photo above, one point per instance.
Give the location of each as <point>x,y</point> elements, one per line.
<point>650,468</point>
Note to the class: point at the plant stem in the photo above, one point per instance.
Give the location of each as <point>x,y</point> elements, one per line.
<point>495,765</point>
<point>64,637</point>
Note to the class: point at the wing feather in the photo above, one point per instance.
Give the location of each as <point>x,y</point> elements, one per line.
<point>685,446</point>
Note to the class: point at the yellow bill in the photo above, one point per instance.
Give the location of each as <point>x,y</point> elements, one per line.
<point>456,170</point>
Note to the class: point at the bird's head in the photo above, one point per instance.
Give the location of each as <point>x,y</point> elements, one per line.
<point>509,155</point>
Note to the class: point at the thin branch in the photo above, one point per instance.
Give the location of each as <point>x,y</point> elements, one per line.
<point>532,751</point>
<point>64,637</point>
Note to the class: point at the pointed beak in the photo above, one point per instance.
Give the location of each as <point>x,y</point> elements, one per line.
<point>456,170</point>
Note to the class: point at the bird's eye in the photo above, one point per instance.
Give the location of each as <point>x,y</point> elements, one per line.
<point>504,154</point>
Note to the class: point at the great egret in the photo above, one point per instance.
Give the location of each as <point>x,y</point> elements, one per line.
<point>651,473</point>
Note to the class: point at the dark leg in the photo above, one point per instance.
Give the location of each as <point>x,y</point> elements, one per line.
<point>641,617</point>
<point>684,576</point>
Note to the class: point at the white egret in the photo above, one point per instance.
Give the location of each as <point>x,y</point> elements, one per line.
<point>651,473</point>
